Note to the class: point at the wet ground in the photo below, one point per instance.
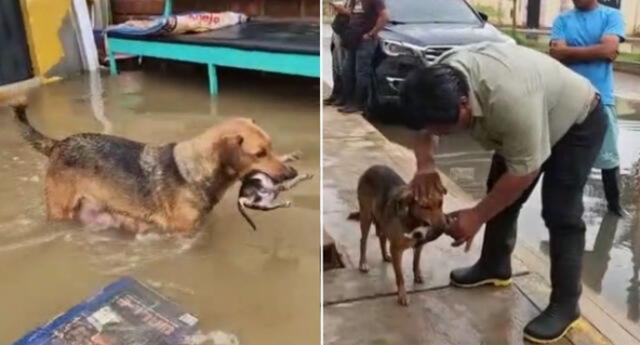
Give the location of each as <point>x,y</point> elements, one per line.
<point>612,260</point>
<point>362,308</point>
<point>262,286</point>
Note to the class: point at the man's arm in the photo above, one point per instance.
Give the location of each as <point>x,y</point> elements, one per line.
<point>425,147</point>
<point>467,222</point>
<point>504,193</point>
<point>607,49</point>
<point>383,19</point>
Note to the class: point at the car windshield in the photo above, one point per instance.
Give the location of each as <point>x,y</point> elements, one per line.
<point>430,11</point>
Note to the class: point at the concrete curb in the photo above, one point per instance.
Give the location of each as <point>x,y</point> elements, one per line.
<point>627,67</point>
<point>601,317</point>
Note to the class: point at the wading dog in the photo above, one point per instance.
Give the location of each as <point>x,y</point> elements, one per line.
<point>386,201</point>
<point>109,181</point>
<point>259,192</point>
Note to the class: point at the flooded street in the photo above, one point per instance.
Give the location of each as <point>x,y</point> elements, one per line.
<point>259,285</point>
<point>612,259</point>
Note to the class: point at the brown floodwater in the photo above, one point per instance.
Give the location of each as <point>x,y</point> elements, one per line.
<point>262,286</point>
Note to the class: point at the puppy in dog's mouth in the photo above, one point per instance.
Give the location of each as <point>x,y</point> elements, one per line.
<point>419,233</point>
<point>260,192</point>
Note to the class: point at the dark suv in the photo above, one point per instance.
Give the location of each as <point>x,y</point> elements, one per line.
<point>418,32</point>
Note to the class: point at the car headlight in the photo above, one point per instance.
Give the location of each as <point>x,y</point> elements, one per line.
<point>394,48</point>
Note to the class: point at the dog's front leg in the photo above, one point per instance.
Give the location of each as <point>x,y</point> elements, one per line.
<point>417,272</point>
<point>293,182</point>
<point>396,258</point>
<point>290,157</point>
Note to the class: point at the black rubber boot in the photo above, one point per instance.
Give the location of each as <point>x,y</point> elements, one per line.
<point>494,265</point>
<point>331,100</point>
<point>563,311</point>
<point>611,184</point>
<point>350,109</point>
<point>339,102</point>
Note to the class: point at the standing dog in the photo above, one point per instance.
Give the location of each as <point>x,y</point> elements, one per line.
<point>386,201</point>
<point>111,181</point>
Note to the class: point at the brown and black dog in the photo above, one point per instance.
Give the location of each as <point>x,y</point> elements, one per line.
<point>111,181</point>
<point>387,201</point>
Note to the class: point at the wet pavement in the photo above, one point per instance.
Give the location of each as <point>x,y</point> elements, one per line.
<point>261,286</point>
<point>612,259</point>
<point>362,308</point>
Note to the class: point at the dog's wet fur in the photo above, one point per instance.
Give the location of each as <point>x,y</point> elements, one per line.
<point>260,192</point>
<point>109,181</point>
<point>387,201</point>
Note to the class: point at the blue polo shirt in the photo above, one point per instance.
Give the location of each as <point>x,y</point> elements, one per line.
<point>586,28</point>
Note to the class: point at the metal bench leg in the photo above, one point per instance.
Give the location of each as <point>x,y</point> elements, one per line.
<point>113,66</point>
<point>168,7</point>
<point>213,79</point>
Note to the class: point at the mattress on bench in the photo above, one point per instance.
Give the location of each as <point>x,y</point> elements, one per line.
<point>280,37</point>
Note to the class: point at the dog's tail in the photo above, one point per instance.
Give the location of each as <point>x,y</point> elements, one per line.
<point>36,139</point>
<point>354,215</point>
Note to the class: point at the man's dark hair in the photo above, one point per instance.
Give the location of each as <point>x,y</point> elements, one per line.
<point>431,95</point>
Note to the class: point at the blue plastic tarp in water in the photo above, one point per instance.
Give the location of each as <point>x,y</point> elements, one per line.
<point>125,312</point>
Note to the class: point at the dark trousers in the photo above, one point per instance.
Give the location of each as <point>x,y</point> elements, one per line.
<point>565,174</point>
<point>357,73</point>
<point>338,56</point>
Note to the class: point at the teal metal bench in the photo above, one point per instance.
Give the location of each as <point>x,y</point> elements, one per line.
<point>294,63</point>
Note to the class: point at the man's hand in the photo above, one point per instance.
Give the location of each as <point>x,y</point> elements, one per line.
<point>464,226</point>
<point>424,183</point>
<point>340,9</point>
<point>558,50</point>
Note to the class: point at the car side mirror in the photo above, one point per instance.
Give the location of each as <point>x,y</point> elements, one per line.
<point>483,16</point>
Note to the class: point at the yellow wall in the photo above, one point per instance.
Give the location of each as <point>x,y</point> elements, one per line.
<point>43,20</point>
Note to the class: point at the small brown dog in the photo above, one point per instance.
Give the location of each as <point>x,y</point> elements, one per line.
<point>386,201</point>
<point>109,181</point>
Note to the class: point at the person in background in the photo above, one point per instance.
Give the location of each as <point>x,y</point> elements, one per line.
<point>338,56</point>
<point>586,40</point>
<point>367,18</point>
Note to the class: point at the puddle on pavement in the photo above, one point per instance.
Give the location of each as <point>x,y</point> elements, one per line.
<point>612,258</point>
<point>261,286</point>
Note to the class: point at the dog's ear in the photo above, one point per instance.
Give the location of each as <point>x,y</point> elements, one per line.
<point>235,140</point>
<point>231,144</point>
<point>404,202</point>
<point>231,153</point>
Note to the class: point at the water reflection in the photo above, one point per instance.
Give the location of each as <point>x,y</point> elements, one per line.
<point>597,259</point>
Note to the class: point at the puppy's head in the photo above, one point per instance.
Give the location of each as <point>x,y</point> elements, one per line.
<point>245,147</point>
<point>426,213</point>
